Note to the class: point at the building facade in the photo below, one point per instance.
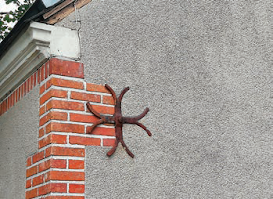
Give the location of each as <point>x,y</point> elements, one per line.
<point>204,69</point>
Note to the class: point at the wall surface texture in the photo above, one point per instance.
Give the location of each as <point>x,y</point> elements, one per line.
<point>204,70</point>
<point>19,139</point>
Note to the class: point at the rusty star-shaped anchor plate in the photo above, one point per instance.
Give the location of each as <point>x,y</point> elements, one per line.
<point>118,120</point>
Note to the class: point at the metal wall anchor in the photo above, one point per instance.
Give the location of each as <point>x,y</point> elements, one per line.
<point>118,120</point>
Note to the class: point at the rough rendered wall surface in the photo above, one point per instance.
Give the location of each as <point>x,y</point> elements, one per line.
<point>203,68</point>
<point>19,139</point>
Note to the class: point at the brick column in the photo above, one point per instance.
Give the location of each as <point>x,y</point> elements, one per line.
<point>57,169</point>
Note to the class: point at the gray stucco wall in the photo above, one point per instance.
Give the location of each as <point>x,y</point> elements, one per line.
<point>204,68</point>
<point>18,140</point>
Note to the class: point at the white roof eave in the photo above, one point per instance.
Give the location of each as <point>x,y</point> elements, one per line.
<point>31,49</point>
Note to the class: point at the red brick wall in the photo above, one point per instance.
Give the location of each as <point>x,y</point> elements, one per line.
<point>57,169</point>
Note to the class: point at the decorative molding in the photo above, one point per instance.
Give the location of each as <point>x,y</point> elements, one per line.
<point>36,45</point>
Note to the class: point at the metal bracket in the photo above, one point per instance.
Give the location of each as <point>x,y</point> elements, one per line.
<point>118,120</point>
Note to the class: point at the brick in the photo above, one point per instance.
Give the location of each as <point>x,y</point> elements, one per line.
<point>64,83</point>
<point>4,106</point>
<point>32,193</point>
<point>53,115</point>
<point>29,161</point>
<point>64,151</point>
<point>67,105</point>
<point>108,142</point>
<point>25,88</point>
<point>96,88</point>
<point>58,187</point>
<point>84,141</point>
<point>53,188</point>
<point>37,157</point>
<point>66,68</point>
<point>28,183</point>
<point>44,142</point>
<point>52,163</point>
<point>42,89</point>
<point>85,97</point>
<point>8,103</point>
<point>42,110</point>
<point>43,120</point>
<point>31,171</point>
<point>46,69</point>
<point>12,99</point>
<point>17,95</point>
<point>15,99</point>
<point>76,164</point>
<point>44,189</point>
<point>108,100</point>
<point>38,76</point>
<point>76,188</point>
<point>44,165</point>
<point>69,128</point>
<point>30,83</point>
<point>75,117</point>
<point>41,132</point>
<point>65,176</point>
<point>103,109</point>
<point>38,180</point>
<point>35,79</point>
<point>7,100</point>
<point>56,163</point>
<point>101,131</point>
<point>42,73</point>
<point>20,92</point>
<point>52,139</point>
<point>53,93</point>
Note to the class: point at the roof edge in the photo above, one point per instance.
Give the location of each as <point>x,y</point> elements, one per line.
<point>37,44</point>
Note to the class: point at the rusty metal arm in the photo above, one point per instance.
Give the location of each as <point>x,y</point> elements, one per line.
<point>118,120</point>
<point>111,151</point>
<point>144,127</point>
<point>126,149</point>
<point>90,108</point>
<point>133,120</point>
<point>122,93</point>
<point>112,92</point>
<point>102,120</point>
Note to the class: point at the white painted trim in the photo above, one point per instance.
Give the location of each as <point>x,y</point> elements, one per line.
<point>31,49</point>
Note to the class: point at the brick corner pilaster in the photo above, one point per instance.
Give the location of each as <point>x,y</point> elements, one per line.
<point>57,169</point>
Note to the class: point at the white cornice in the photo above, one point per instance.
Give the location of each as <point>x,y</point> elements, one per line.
<point>31,49</point>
